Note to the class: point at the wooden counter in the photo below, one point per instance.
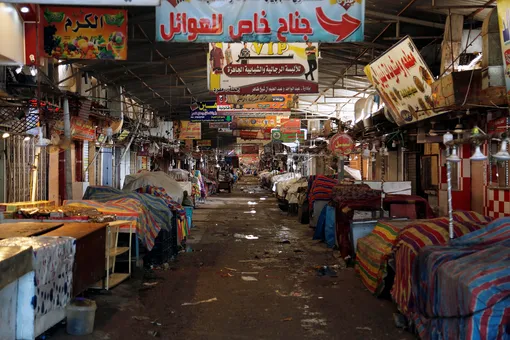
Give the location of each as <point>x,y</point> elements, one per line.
<point>26,229</point>
<point>89,263</point>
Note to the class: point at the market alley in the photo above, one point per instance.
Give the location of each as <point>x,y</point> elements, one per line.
<point>266,287</point>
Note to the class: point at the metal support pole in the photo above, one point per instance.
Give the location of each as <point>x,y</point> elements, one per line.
<point>449,195</point>
<point>68,164</point>
<point>341,166</point>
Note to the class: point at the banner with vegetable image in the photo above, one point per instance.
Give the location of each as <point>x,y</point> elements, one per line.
<point>262,21</point>
<point>404,82</point>
<point>84,33</point>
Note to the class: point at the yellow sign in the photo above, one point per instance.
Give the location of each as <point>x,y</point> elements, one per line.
<point>187,130</point>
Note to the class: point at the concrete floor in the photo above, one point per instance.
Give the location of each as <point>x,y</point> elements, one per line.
<point>287,301</point>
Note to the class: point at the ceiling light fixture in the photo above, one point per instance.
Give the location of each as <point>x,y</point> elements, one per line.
<point>6,135</point>
<point>19,69</point>
<point>24,9</point>
<point>26,139</point>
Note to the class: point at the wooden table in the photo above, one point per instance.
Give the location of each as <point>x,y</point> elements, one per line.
<point>89,261</point>
<point>26,229</point>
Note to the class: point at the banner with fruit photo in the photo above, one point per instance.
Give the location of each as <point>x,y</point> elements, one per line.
<point>84,33</point>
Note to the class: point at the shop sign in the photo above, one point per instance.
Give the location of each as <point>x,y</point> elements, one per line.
<point>262,68</point>
<point>259,102</point>
<point>148,3</point>
<point>277,21</point>
<point>84,32</point>
<point>504,32</point>
<point>288,124</point>
<point>404,82</point>
<point>187,130</point>
<point>286,136</point>
<point>123,135</point>
<point>498,125</point>
<point>209,107</point>
<point>205,117</point>
<point>254,134</point>
<point>341,144</point>
<point>216,125</point>
<point>204,142</point>
<point>249,159</point>
<point>250,149</point>
<point>254,123</point>
<point>81,129</point>
<point>225,131</point>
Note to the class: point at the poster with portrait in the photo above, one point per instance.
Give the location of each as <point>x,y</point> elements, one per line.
<point>262,69</point>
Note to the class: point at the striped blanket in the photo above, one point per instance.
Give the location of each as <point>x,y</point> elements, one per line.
<point>176,208</point>
<point>375,249</point>
<point>410,241</point>
<point>373,252</point>
<point>463,291</point>
<point>127,210</point>
<point>321,189</point>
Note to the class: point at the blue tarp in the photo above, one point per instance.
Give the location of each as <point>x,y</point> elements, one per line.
<point>326,226</point>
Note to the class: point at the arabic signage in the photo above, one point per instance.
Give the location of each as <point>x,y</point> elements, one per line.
<point>403,81</point>
<point>262,134</point>
<point>254,123</point>
<point>204,142</point>
<point>187,130</point>
<point>84,32</point>
<point>504,29</point>
<point>286,21</point>
<point>81,129</point>
<point>261,69</point>
<point>341,144</point>
<point>204,107</point>
<point>248,159</point>
<point>147,3</point>
<point>250,149</point>
<point>204,117</point>
<point>290,124</point>
<point>285,136</point>
<point>217,125</point>
<point>259,102</point>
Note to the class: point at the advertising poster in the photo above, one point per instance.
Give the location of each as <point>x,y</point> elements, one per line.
<point>289,124</point>
<point>250,149</point>
<point>286,21</point>
<point>504,29</point>
<point>259,102</point>
<point>260,69</point>
<point>217,125</point>
<point>249,159</point>
<point>285,136</point>
<point>404,82</point>
<point>84,32</point>
<point>81,129</point>
<point>254,123</point>
<point>204,142</point>
<point>263,134</point>
<point>185,130</point>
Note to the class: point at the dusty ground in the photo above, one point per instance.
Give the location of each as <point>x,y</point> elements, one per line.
<point>287,301</point>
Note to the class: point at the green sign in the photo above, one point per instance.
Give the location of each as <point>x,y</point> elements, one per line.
<point>279,135</point>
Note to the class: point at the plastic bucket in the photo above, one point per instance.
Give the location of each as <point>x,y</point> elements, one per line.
<point>80,317</point>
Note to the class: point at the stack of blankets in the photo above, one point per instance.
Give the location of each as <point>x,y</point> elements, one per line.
<point>320,189</point>
<point>462,291</point>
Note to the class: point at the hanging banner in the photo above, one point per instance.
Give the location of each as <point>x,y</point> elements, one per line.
<point>204,142</point>
<point>187,130</point>
<point>148,3</point>
<point>285,136</point>
<point>250,149</point>
<point>204,117</point>
<point>288,124</point>
<point>277,21</point>
<point>260,69</point>
<point>222,125</point>
<point>504,29</point>
<point>254,123</point>
<point>403,80</point>
<point>81,129</point>
<point>262,134</point>
<point>209,107</point>
<point>84,32</point>
<point>341,144</point>
<point>259,102</point>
